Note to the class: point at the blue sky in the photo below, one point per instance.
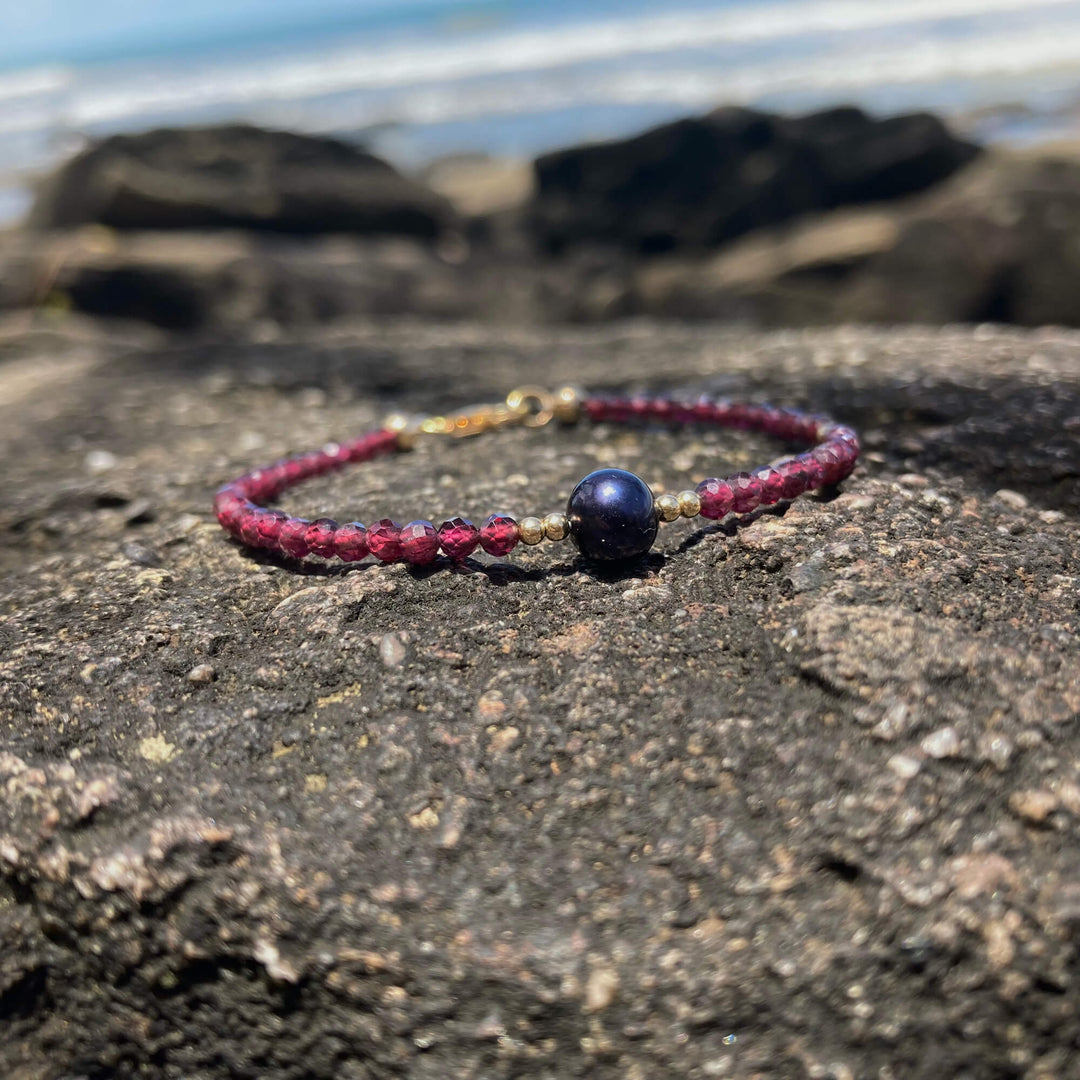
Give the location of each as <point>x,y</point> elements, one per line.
<point>45,31</point>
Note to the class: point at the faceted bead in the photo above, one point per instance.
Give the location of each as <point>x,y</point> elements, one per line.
<point>705,411</point>
<point>269,527</point>
<point>746,492</point>
<point>682,412</point>
<point>662,409</point>
<point>847,453</point>
<point>229,506</point>
<point>795,477</point>
<point>716,498</point>
<point>595,409</point>
<point>828,457</point>
<point>612,516</point>
<point>351,542</point>
<point>292,539</point>
<point>499,535</point>
<point>812,468</point>
<point>320,537</point>
<point>459,538</point>
<point>772,485</point>
<point>337,455</point>
<point>419,542</point>
<point>384,541</point>
<point>249,526</point>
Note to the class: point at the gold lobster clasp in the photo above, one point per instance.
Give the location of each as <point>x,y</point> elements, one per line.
<point>529,406</point>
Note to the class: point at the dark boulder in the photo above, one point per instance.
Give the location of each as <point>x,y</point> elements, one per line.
<point>700,182</point>
<point>239,177</point>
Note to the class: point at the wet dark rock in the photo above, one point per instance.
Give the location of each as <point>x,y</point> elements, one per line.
<point>238,177</point>
<point>808,772</point>
<point>705,181</point>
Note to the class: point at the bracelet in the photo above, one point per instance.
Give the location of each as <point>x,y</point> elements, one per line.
<point>611,514</point>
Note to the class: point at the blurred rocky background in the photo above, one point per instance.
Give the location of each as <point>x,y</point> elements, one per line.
<point>740,215</point>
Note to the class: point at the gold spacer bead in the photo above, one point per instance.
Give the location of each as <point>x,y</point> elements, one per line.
<point>404,427</point>
<point>556,527</point>
<point>530,530</point>
<point>667,507</point>
<point>567,404</point>
<point>689,503</point>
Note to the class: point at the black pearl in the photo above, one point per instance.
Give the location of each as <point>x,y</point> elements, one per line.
<point>611,515</point>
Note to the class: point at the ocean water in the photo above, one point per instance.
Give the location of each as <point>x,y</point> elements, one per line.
<point>417,79</point>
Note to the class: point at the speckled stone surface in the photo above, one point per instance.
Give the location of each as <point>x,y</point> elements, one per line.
<point>798,798</point>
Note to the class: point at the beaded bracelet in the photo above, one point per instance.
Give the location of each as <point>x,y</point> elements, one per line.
<point>611,515</point>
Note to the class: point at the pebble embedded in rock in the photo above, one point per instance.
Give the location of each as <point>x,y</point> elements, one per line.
<point>1033,806</point>
<point>904,765</point>
<point>1012,499</point>
<point>391,650</point>
<point>943,743</point>
<point>601,989</point>
<point>202,673</point>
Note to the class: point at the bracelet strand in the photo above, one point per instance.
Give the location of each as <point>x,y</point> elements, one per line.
<point>611,515</point>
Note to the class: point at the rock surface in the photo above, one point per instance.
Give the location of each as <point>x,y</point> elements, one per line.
<point>799,797</point>
<point>997,242</point>
<point>704,181</point>
<point>238,176</point>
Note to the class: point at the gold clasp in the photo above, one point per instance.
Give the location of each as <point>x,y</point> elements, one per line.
<point>527,405</point>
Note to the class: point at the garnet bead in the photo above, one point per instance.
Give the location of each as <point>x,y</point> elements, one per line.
<point>459,538</point>
<point>293,537</point>
<point>249,526</point>
<point>716,498</point>
<point>350,542</point>
<point>812,467</point>
<point>795,477</point>
<point>772,485</point>
<point>611,515</point>
<point>384,540</point>
<point>419,542</point>
<point>320,537</point>
<point>746,492</point>
<point>269,526</point>
<point>499,535</point>
<point>828,457</point>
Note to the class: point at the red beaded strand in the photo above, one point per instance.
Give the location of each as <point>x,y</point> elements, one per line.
<point>834,450</point>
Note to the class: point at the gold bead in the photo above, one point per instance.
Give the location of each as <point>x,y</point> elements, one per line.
<point>667,507</point>
<point>531,530</point>
<point>405,428</point>
<point>689,503</point>
<point>567,404</point>
<point>556,527</point>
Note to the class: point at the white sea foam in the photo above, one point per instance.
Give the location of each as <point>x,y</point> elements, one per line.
<point>359,67</point>
<point>840,69</point>
<point>34,82</point>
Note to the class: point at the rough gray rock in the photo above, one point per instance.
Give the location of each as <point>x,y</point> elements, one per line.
<point>237,176</point>
<point>796,798</point>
